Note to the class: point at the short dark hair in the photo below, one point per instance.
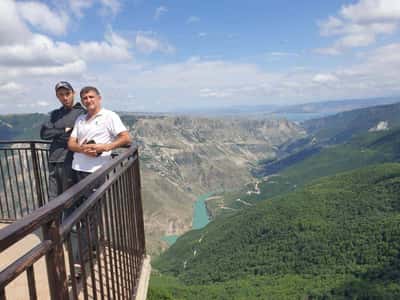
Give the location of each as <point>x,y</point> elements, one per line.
<point>88,89</point>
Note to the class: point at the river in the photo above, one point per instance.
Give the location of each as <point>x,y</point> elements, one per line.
<point>200,217</point>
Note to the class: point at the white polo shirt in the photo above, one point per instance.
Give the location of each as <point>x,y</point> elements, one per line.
<point>102,128</point>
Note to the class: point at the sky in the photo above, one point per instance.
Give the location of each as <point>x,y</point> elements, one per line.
<point>161,56</point>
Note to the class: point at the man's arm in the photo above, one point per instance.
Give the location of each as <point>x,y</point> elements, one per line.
<point>75,147</point>
<point>123,139</point>
<point>48,131</point>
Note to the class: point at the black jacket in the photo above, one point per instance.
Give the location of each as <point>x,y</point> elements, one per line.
<point>55,130</point>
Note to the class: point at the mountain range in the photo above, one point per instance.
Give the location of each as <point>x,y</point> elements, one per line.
<point>322,226</point>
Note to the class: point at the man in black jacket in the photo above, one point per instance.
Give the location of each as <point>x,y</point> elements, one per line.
<point>58,129</point>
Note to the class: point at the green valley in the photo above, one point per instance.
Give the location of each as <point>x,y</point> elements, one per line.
<point>342,230</point>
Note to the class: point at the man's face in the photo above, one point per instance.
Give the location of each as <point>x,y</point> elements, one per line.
<point>91,101</point>
<point>66,97</point>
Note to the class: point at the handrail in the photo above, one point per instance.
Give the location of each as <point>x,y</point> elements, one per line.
<point>24,142</point>
<point>67,224</point>
<point>27,260</point>
<point>31,222</point>
<point>23,177</point>
<point>108,221</point>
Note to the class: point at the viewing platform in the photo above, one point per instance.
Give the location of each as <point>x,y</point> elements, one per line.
<point>36,242</point>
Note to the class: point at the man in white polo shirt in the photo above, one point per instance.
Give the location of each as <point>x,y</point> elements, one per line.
<point>94,135</point>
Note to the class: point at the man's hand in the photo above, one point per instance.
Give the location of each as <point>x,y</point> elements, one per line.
<point>95,149</point>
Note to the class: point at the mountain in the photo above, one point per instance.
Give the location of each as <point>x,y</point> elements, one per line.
<point>329,131</point>
<point>184,157</point>
<point>333,107</point>
<point>342,126</point>
<point>26,126</point>
<point>339,236</point>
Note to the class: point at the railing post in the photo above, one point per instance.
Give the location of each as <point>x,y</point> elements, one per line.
<point>55,261</point>
<point>38,182</point>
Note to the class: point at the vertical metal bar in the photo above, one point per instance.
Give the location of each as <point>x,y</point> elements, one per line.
<point>1,206</point>
<point>44,176</point>
<point>82,261</point>
<point>17,185</point>
<point>125,234</point>
<point>139,201</point>
<point>11,185</point>
<point>31,283</point>
<point>5,189</point>
<point>88,229</point>
<point>129,233</point>
<point>55,262</point>
<point>31,180</point>
<point>36,174</point>
<point>102,240</point>
<point>97,241</point>
<point>108,230</point>
<point>114,240</point>
<point>134,221</point>
<point>23,181</point>
<point>120,229</point>
<point>71,267</point>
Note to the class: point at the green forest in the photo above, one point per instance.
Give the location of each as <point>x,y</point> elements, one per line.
<point>336,237</point>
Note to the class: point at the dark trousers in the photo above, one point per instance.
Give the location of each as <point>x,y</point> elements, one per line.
<point>60,178</point>
<point>93,224</point>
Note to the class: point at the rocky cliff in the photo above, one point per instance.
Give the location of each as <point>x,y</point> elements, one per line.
<point>184,157</point>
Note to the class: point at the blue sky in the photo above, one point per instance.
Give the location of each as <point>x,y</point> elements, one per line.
<point>173,55</point>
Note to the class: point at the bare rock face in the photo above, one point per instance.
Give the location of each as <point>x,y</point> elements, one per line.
<point>184,157</point>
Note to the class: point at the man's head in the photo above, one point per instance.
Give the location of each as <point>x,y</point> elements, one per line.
<point>91,99</point>
<point>65,94</point>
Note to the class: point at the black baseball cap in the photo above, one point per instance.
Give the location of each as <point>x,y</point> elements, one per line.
<point>65,85</point>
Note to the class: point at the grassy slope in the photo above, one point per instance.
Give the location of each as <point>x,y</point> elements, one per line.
<point>345,226</point>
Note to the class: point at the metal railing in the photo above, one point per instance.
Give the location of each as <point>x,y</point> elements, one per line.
<point>109,222</point>
<point>23,178</point>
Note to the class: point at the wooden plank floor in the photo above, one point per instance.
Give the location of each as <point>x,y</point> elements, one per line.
<point>18,288</point>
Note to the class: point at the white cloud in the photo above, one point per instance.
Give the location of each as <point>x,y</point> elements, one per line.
<point>280,54</point>
<point>43,103</point>
<point>202,34</point>
<point>10,87</point>
<point>111,5</point>
<point>147,42</point>
<point>26,53</point>
<point>78,6</point>
<point>328,51</point>
<point>323,78</point>
<point>358,25</point>
<point>40,16</point>
<point>114,48</point>
<point>107,7</point>
<point>192,19</point>
<point>41,51</point>
<point>159,12</point>
<point>12,28</point>
<point>372,10</point>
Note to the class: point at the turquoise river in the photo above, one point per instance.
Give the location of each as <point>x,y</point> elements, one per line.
<point>200,217</point>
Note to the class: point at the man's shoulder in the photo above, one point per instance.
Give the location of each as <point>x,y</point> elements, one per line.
<point>109,113</point>
<point>78,106</point>
<point>81,117</point>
